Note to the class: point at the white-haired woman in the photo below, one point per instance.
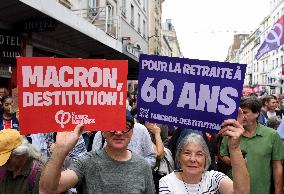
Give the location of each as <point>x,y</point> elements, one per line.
<point>19,164</point>
<point>193,159</point>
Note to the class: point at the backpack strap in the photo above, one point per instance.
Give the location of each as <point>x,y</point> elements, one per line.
<point>2,173</point>
<point>168,165</point>
<point>33,173</point>
<point>103,141</point>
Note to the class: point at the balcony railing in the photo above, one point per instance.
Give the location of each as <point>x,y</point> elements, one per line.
<point>65,3</point>
<point>100,17</point>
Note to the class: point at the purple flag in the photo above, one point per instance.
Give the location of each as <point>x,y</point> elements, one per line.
<point>273,40</point>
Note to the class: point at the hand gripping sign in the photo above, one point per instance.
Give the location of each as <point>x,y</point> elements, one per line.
<point>188,93</point>
<point>57,94</point>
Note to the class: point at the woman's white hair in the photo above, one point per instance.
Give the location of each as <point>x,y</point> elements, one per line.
<point>26,148</point>
<point>197,140</point>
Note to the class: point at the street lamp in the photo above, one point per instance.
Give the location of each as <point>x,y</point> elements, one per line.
<point>153,36</point>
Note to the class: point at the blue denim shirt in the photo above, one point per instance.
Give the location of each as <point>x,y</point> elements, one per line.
<point>280,129</point>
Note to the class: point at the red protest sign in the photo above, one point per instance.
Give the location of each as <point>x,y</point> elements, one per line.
<point>55,94</point>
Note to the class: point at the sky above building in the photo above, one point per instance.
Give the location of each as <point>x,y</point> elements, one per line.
<point>205,28</point>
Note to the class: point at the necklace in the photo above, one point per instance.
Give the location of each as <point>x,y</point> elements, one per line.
<point>185,185</point>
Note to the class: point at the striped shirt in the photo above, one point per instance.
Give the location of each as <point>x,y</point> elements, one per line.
<point>209,184</point>
<point>43,141</point>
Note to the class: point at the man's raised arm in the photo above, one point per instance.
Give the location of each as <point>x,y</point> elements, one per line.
<point>52,180</point>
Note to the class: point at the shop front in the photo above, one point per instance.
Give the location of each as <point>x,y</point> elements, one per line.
<point>48,29</point>
<point>133,51</point>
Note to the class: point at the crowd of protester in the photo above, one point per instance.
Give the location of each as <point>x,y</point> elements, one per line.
<point>246,156</point>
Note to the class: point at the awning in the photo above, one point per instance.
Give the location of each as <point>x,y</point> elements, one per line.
<point>249,90</point>
<point>84,40</point>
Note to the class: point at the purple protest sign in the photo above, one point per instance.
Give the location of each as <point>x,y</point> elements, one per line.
<point>273,40</point>
<point>188,93</point>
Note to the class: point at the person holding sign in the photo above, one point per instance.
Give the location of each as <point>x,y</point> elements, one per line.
<point>263,147</point>
<point>113,169</point>
<point>194,159</point>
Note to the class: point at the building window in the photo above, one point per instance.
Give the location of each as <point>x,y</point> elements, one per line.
<point>109,10</point>
<point>262,69</point>
<point>273,19</point>
<point>144,29</point>
<point>123,10</point>
<point>139,23</point>
<point>92,7</point>
<point>144,5</point>
<point>92,3</point>
<point>132,15</point>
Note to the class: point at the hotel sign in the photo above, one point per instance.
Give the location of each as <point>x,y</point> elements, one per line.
<point>39,25</point>
<point>10,47</point>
